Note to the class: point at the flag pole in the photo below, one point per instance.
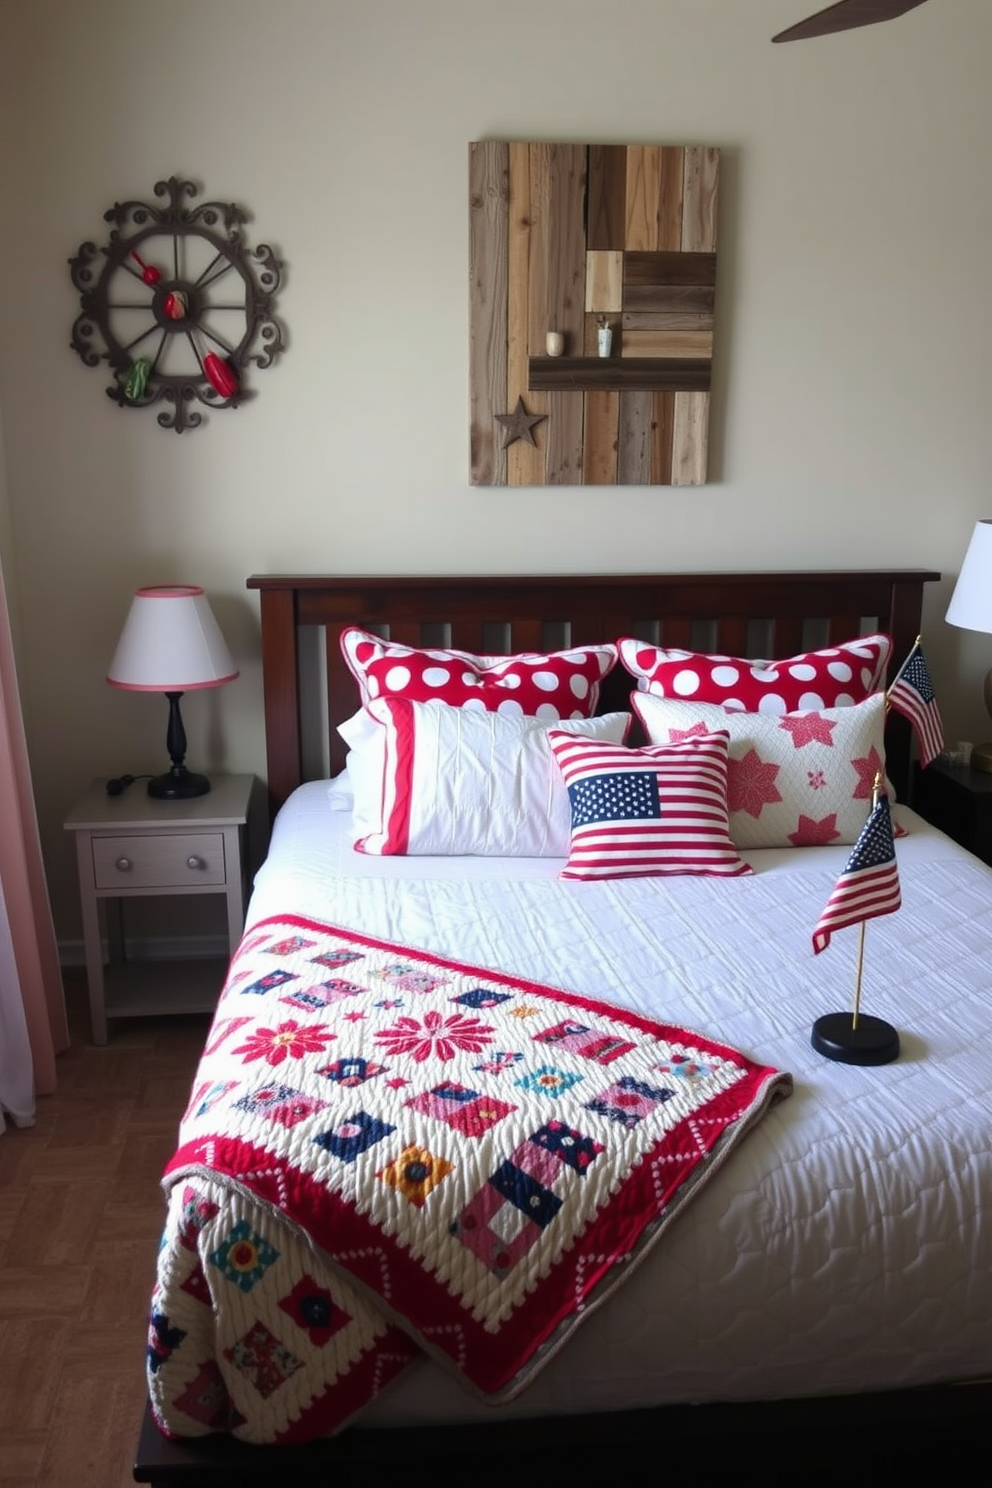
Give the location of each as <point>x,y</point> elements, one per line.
<point>850,1038</point>
<point>876,791</point>
<point>908,658</point>
<point>857,979</point>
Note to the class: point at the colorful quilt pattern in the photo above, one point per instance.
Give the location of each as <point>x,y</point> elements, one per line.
<point>387,1154</point>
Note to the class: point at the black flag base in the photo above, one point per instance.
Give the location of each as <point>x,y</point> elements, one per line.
<point>870,1041</point>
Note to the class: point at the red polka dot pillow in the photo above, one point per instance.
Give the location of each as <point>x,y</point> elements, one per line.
<point>804,779</point>
<point>548,685</point>
<point>836,677</point>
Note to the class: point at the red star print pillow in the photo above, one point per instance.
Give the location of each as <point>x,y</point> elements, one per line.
<point>803,779</point>
<point>836,677</point>
<point>547,685</point>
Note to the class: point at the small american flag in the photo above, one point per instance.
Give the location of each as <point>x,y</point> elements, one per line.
<point>869,885</point>
<point>912,695</point>
<point>660,809</point>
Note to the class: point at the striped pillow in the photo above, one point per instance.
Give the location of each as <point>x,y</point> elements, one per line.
<point>638,813</point>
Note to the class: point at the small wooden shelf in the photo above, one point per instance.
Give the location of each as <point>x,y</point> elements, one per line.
<point>618,374</point>
<point>146,989</point>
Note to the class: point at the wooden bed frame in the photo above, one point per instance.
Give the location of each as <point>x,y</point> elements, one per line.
<point>771,614</point>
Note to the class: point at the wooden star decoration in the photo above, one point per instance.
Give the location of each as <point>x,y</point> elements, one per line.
<point>519,424</point>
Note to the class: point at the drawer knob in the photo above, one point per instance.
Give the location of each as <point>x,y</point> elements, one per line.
<point>124,864</point>
<point>194,862</point>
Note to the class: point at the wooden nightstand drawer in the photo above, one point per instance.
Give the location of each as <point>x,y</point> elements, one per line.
<point>192,859</point>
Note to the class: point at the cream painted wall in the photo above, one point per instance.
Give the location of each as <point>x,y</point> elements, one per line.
<point>854,348</point>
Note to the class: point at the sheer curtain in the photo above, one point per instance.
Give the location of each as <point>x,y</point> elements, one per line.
<point>32,1011</point>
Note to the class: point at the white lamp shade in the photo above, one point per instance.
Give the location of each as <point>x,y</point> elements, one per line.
<point>171,643</point>
<point>971,602</point>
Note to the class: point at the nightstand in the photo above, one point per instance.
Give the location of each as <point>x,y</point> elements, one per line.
<point>131,846</point>
<point>958,800</point>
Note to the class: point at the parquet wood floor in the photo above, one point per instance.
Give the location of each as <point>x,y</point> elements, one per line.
<point>81,1213</point>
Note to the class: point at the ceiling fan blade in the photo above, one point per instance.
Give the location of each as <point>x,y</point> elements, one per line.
<point>844,16</point>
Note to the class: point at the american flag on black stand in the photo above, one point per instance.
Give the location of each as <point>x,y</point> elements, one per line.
<point>912,695</point>
<point>869,885</point>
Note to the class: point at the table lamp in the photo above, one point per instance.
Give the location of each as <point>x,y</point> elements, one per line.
<point>171,643</point>
<point>971,609</point>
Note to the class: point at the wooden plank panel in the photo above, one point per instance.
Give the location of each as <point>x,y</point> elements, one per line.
<point>566,268</point>
<point>607,196</point>
<point>690,439</point>
<point>666,299</point>
<point>565,426</point>
<point>604,282</point>
<point>599,453</point>
<point>615,374</point>
<point>538,309</point>
<point>671,176</point>
<point>699,234</point>
<point>643,197</point>
<point>524,462</point>
<point>634,439</point>
<point>668,268</point>
<point>700,197</point>
<point>566,302</point>
<point>628,232</point>
<point>662,435</point>
<point>488,208</point>
<point>686,317</point>
<point>668,343</point>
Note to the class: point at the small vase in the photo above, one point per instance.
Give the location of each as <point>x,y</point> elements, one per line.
<point>604,340</point>
<point>554,343</point>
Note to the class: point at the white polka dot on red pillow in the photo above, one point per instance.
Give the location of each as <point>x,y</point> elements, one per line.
<point>548,685</point>
<point>836,677</point>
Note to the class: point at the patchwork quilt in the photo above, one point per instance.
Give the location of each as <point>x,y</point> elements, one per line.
<point>387,1154</point>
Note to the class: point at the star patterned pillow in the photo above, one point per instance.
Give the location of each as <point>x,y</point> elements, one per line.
<point>804,779</point>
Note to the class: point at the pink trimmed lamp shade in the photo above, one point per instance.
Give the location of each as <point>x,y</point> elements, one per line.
<point>171,643</point>
<point>971,609</point>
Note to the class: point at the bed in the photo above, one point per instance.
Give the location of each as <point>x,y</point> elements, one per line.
<point>837,1261</point>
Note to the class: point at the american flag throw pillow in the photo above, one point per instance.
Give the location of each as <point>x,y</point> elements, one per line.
<point>643,812</point>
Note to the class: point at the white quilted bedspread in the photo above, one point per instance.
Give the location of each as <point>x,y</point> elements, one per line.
<point>848,1246</point>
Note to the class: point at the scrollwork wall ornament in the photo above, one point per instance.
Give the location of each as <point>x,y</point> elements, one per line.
<point>177,305</point>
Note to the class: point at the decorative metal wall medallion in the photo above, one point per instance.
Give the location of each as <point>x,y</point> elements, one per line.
<point>177,305</point>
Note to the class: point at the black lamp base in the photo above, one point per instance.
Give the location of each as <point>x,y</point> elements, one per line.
<point>873,1041</point>
<point>178,784</point>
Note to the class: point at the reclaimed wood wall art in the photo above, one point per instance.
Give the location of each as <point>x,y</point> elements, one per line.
<point>565,239</point>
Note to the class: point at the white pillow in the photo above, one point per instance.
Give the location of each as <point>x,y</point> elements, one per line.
<point>800,779</point>
<point>430,779</point>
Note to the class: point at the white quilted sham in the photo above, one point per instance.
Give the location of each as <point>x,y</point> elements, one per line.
<point>848,1245</point>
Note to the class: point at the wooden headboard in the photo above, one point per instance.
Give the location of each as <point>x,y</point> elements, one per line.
<point>763,614</point>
